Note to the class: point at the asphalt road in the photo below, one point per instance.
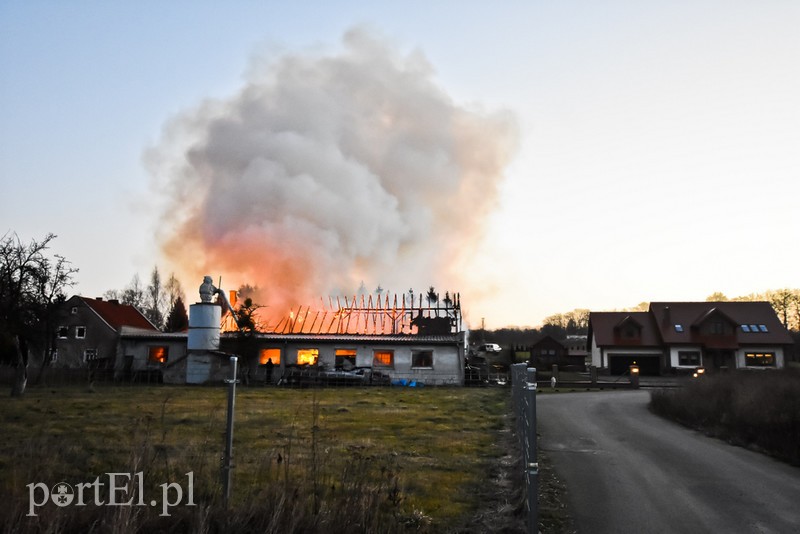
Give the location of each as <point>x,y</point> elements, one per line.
<point>627,470</point>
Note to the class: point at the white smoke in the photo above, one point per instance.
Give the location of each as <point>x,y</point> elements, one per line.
<point>328,170</point>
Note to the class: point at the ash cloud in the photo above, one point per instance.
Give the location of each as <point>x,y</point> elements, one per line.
<point>326,170</point>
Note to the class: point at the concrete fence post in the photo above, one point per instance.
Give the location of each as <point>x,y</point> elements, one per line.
<point>227,460</point>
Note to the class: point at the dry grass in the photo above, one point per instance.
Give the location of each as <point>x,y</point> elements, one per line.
<point>331,460</point>
<point>758,409</point>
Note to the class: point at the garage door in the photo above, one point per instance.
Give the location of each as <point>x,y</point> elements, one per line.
<point>649,364</point>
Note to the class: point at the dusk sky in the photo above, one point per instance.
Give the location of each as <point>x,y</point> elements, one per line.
<point>585,154</point>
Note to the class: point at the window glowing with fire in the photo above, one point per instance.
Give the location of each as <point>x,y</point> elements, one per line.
<point>345,359</point>
<point>269,354</point>
<point>383,358</point>
<point>157,355</point>
<point>307,356</point>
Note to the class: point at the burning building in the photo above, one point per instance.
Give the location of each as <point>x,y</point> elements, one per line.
<point>360,340</point>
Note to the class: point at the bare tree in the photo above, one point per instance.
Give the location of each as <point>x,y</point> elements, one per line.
<point>783,301</point>
<point>174,291</point>
<point>31,286</point>
<point>133,294</point>
<point>155,299</point>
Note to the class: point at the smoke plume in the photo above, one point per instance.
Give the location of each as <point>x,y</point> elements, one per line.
<point>329,170</point>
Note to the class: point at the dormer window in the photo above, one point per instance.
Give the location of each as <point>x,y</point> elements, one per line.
<point>762,328</point>
<point>630,331</point>
<point>679,328</point>
<point>745,328</point>
<point>628,328</point>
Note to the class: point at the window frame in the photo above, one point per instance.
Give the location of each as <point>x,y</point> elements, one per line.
<point>717,327</point>
<point>416,353</point>
<point>80,332</point>
<point>65,330</point>
<point>314,350</point>
<point>156,361</point>
<point>686,358</point>
<point>268,352</point>
<point>379,364</point>
<point>338,359</point>
<point>753,357</point>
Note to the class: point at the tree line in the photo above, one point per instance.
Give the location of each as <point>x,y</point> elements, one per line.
<point>163,303</point>
<point>785,302</point>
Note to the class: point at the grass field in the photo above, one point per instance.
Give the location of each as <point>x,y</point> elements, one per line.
<point>328,460</point>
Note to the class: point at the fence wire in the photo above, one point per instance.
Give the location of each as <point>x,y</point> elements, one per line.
<point>523,383</point>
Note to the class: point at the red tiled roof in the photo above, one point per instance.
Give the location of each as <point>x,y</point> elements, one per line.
<point>118,315</point>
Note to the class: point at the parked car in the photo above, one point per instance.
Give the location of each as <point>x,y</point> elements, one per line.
<point>489,347</point>
<point>307,375</point>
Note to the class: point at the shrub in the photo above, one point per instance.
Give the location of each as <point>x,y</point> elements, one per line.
<point>753,409</point>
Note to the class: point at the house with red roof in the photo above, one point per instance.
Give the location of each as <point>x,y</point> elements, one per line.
<point>88,332</point>
<point>681,336</point>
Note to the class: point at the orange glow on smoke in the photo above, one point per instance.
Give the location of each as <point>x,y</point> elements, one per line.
<point>311,214</point>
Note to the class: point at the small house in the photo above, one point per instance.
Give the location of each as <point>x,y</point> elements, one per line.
<point>681,336</point>
<point>89,331</point>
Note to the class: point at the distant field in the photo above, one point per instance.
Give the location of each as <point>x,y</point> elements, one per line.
<point>372,459</point>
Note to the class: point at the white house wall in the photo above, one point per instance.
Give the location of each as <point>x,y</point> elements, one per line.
<point>596,354</point>
<point>139,350</point>
<point>674,357</point>
<point>448,360</point>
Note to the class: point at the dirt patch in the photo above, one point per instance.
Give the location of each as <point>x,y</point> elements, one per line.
<point>504,510</point>
<point>553,513</point>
